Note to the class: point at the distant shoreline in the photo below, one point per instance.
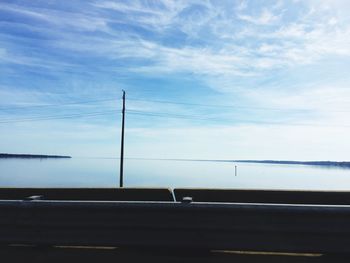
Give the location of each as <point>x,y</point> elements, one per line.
<point>313,163</point>
<point>31,156</point>
<point>345,165</point>
<point>309,163</point>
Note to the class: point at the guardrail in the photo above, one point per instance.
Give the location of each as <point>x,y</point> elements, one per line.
<point>89,194</point>
<point>256,227</point>
<point>264,196</point>
<point>165,194</point>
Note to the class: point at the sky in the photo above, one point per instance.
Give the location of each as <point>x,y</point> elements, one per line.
<point>203,79</point>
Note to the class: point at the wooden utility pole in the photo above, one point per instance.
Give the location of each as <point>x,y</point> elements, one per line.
<point>122,144</point>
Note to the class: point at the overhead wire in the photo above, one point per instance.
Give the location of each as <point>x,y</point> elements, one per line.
<point>57,104</point>
<point>165,115</point>
<point>228,106</point>
<point>83,102</point>
<point>168,115</point>
<point>156,114</point>
<point>215,105</point>
<point>56,117</point>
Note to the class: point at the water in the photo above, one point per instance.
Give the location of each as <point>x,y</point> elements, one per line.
<point>80,172</point>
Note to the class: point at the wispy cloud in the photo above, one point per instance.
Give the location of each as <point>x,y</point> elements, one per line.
<point>265,18</point>
<point>61,19</point>
<point>283,54</point>
<point>286,44</point>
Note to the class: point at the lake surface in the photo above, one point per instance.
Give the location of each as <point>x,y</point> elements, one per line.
<point>84,172</point>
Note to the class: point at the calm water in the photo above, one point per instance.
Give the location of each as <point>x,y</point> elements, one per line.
<point>79,172</point>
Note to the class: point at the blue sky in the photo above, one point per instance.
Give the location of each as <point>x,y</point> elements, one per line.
<point>280,67</point>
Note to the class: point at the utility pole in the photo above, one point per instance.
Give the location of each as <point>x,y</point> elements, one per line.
<point>122,144</point>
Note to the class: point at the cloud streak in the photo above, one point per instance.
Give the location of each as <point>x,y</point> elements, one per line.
<point>303,40</point>
<point>283,54</point>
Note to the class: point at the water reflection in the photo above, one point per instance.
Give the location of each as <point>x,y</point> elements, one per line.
<point>79,172</point>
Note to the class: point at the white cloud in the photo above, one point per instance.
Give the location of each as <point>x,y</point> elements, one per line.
<point>23,11</point>
<point>265,18</point>
<point>236,56</point>
<point>304,40</point>
<point>154,15</point>
<point>3,52</point>
<point>34,61</point>
<point>12,96</point>
<point>242,5</point>
<point>61,19</point>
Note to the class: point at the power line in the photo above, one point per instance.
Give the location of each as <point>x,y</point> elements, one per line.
<point>56,117</point>
<point>166,115</point>
<point>57,104</point>
<point>135,112</point>
<point>193,117</point>
<point>229,106</point>
<point>163,102</point>
<point>214,105</point>
<point>169,115</point>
